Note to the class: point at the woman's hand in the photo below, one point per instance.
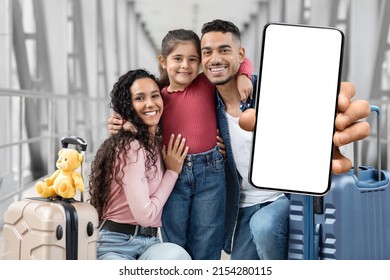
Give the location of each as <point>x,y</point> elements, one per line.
<point>175,153</point>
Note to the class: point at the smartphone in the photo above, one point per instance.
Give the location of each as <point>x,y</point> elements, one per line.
<point>296,106</point>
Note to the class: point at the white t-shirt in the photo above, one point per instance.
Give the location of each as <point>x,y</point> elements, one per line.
<point>241,141</point>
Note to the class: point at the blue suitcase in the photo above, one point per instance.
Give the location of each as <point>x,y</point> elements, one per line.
<point>352,221</point>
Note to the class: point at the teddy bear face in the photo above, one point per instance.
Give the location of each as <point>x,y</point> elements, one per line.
<point>68,159</point>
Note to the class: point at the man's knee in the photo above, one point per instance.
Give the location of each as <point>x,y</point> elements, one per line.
<point>260,225</point>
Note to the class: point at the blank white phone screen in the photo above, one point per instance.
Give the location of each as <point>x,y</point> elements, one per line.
<point>296,107</point>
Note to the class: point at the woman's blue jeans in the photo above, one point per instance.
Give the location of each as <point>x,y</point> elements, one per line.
<point>262,231</point>
<point>119,246</point>
<point>194,214</point>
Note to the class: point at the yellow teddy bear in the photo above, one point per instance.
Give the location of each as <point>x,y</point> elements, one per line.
<point>65,180</point>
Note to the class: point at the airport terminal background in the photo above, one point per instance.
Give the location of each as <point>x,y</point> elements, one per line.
<point>60,58</point>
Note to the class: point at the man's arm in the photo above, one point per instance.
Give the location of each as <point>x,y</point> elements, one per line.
<point>116,123</point>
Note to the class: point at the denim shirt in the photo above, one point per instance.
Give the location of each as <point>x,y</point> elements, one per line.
<point>232,177</point>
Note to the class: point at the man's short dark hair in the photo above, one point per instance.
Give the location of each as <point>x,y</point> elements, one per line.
<point>223,26</point>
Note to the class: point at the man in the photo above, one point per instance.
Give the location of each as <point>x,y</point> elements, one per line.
<point>257,219</point>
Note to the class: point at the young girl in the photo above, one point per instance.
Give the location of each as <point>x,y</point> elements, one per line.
<point>128,185</point>
<point>194,214</point>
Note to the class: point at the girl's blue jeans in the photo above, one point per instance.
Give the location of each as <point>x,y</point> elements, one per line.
<point>194,214</point>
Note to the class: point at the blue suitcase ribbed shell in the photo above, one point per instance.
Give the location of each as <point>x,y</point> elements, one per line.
<point>352,221</point>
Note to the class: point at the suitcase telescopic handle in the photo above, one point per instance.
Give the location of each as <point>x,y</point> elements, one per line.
<point>376,109</point>
<point>74,140</point>
<point>77,141</point>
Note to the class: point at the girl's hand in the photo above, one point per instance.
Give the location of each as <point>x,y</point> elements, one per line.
<point>175,154</point>
<point>245,87</point>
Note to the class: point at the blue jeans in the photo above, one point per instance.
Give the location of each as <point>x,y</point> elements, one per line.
<point>119,246</point>
<point>262,231</point>
<point>194,215</point>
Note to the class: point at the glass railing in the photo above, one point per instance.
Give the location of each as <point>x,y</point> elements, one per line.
<point>32,124</point>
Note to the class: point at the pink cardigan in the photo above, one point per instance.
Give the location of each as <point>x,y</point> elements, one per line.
<point>140,201</point>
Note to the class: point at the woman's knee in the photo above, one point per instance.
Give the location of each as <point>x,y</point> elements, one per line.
<point>165,251</point>
<point>112,256</point>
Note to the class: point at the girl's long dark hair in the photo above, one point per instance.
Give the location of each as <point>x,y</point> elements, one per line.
<point>169,43</point>
<point>115,149</point>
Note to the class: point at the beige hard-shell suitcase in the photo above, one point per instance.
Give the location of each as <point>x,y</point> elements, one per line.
<point>51,228</point>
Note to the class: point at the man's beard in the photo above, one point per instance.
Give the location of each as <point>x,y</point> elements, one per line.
<point>219,83</point>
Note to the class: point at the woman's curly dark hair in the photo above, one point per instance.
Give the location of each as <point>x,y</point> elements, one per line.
<point>116,147</point>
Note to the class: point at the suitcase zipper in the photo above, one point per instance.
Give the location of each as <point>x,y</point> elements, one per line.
<point>71,230</point>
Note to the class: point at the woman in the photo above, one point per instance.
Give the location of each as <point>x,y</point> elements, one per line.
<point>129,184</point>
